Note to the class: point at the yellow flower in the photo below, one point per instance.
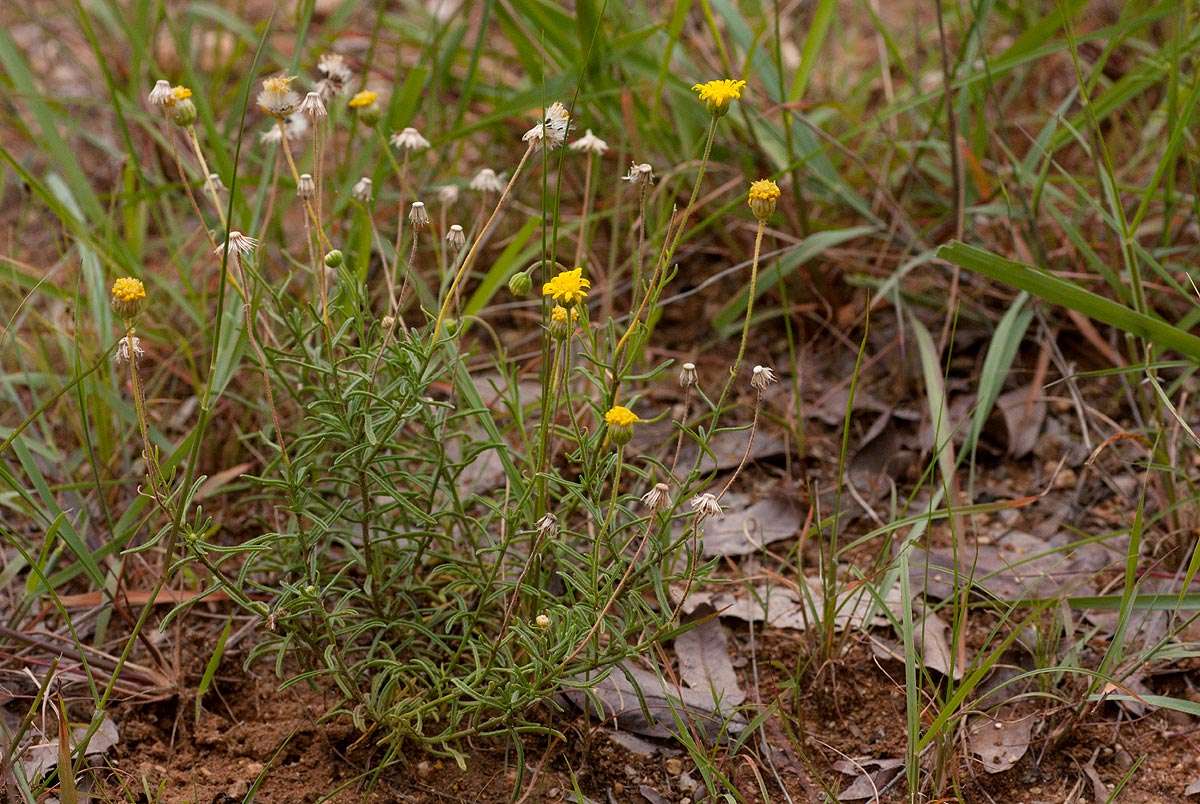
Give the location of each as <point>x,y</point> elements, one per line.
<point>363,99</point>
<point>620,416</point>
<point>620,421</point>
<point>562,321</point>
<point>762,197</point>
<point>719,93</point>
<point>569,287</point>
<point>128,296</point>
<point>180,93</point>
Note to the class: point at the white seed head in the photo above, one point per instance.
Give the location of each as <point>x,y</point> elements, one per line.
<point>127,352</point>
<point>456,238</point>
<point>658,498</point>
<point>486,181</point>
<point>590,143</point>
<point>387,322</point>
<point>687,375</point>
<point>547,526</point>
<point>277,98</point>
<point>306,188</point>
<point>239,245</point>
<point>409,139</point>
<point>213,183</point>
<point>295,126</point>
<point>448,194</point>
<point>335,76</point>
<point>639,173</point>
<point>313,107</point>
<point>552,131</point>
<point>417,215</point>
<point>706,505</point>
<point>362,190</point>
<point>161,95</point>
<point>762,377</point>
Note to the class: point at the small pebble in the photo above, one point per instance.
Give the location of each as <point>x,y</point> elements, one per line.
<point>674,766</point>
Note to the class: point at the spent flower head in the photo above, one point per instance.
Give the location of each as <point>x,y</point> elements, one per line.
<point>762,377</point>
<point>763,196</point>
<point>639,173</point>
<point>128,297</point>
<point>448,194</point>
<point>547,526</point>
<point>487,181</point>
<point>706,505</point>
<point>409,139</point>
<point>294,127</point>
<point>277,98</point>
<point>239,245</point>
<point>719,93</point>
<point>362,190</point>
<point>306,188</point>
<point>417,215</point>
<point>552,131</point>
<point>658,498</point>
<point>313,106</point>
<point>590,143</point>
<point>161,95</point>
<point>213,183</point>
<point>569,287</point>
<point>335,76</point>
<point>129,350</point>
<point>456,238</point>
<point>687,375</point>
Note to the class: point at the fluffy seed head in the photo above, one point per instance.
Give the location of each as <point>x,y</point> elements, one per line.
<point>762,377</point>
<point>335,76</point>
<point>552,131</point>
<point>486,181</point>
<point>239,245</point>
<point>718,94</point>
<point>658,498</point>
<point>448,194</point>
<point>129,350</point>
<point>277,98</point>
<point>409,139</point>
<point>569,287</point>
<point>590,143</point>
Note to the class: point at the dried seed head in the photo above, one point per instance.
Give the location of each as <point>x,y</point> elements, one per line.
<point>547,526</point>
<point>448,194</point>
<point>277,98</point>
<point>455,238</point>
<point>313,107</point>
<point>388,322</point>
<point>706,505</point>
<point>239,245</point>
<point>409,139</point>
<point>335,76</point>
<point>762,377</point>
<point>590,143</point>
<point>417,216</point>
<point>294,127</point>
<point>687,375</point>
<point>486,181</point>
<point>639,173</point>
<point>306,188</point>
<point>213,183</point>
<point>161,96</point>
<point>658,498</point>
<point>129,350</point>
<point>552,131</point>
<point>362,190</point>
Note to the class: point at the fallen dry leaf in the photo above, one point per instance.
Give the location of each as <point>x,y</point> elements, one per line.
<point>40,758</point>
<point>872,777</point>
<point>930,638</point>
<point>705,665</point>
<point>785,607</point>
<point>1024,412</point>
<point>746,530</point>
<point>1001,741</point>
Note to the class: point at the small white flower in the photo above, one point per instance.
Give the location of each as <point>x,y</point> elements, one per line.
<point>706,505</point>
<point>239,245</point>
<point>417,215</point>
<point>313,106</point>
<point>657,498</point>
<point>409,140</point>
<point>590,143</point>
<point>762,377</point>
<point>547,526</point>
<point>161,94</point>
<point>306,188</point>
<point>455,237</point>
<point>639,173</point>
<point>213,183</point>
<point>125,351</point>
<point>486,181</point>
<point>362,190</point>
<point>448,194</point>
<point>687,375</point>
<point>277,98</point>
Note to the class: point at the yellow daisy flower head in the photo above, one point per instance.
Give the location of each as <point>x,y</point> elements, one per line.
<point>620,421</point>
<point>569,287</point>
<point>366,104</point>
<point>719,93</point>
<point>180,93</point>
<point>762,198</point>
<point>128,297</point>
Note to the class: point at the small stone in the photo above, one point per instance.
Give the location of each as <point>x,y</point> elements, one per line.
<point>618,788</point>
<point>424,769</point>
<point>1066,478</point>
<point>674,766</point>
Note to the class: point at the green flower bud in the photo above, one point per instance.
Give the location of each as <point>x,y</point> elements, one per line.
<point>334,259</point>
<point>520,283</point>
